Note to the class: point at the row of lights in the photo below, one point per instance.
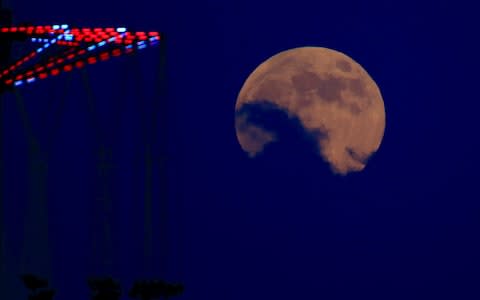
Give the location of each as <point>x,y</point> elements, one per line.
<point>57,29</point>
<point>30,30</point>
<point>29,57</point>
<point>84,34</point>
<point>127,38</point>
<point>70,44</point>
<point>73,37</point>
<point>20,62</point>
<point>63,64</point>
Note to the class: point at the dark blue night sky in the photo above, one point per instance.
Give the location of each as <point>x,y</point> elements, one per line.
<point>228,227</point>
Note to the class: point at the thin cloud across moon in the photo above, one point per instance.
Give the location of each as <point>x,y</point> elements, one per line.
<point>333,99</point>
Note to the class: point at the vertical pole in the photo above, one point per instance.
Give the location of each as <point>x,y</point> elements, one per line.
<point>148,173</point>
<point>105,169</point>
<point>154,124</point>
<point>155,161</point>
<point>160,132</point>
<point>36,252</point>
<point>102,241</point>
<point>148,223</point>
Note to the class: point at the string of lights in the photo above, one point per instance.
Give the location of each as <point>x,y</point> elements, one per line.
<point>74,49</point>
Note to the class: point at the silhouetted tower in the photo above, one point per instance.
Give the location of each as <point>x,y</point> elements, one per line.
<point>162,119</point>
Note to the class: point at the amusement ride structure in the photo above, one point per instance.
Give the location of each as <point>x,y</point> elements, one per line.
<point>62,48</point>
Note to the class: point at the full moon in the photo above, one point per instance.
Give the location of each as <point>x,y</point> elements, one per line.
<point>334,99</point>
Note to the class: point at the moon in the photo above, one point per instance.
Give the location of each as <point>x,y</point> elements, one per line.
<point>335,101</point>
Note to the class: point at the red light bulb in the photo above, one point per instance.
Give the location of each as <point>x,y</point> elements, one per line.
<point>104,56</point>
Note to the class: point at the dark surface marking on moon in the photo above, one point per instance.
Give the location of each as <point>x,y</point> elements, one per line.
<point>330,88</point>
<point>354,108</point>
<point>287,127</point>
<point>306,81</point>
<point>343,65</point>
<point>357,86</point>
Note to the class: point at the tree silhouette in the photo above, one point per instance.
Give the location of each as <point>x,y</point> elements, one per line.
<point>104,289</point>
<point>33,282</point>
<point>157,289</point>
<point>42,295</point>
<point>173,290</point>
<point>38,287</point>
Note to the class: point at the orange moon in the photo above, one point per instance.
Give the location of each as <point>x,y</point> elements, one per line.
<point>332,96</point>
